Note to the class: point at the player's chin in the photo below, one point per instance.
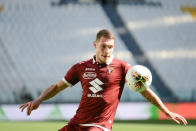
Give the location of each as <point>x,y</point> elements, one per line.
<point>105,60</point>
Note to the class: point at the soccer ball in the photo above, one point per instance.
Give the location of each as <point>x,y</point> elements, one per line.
<point>138,78</point>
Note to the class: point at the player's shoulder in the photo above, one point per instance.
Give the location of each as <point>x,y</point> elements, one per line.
<point>117,60</point>
<point>120,62</point>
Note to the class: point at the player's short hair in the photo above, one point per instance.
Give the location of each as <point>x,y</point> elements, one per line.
<point>104,33</point>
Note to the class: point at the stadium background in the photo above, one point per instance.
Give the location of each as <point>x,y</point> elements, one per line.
<point>41,39</point>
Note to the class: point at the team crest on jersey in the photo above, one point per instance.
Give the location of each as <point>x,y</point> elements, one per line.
<point>109,69</point>
<point>89,75</point>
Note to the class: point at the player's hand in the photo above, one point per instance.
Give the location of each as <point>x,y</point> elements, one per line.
<point>32,105</point>
<point>177,118</point>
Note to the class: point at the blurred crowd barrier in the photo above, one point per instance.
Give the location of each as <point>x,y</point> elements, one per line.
<point>125,111</point>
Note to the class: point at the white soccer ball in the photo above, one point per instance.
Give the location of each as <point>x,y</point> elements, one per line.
<point>138,78</point>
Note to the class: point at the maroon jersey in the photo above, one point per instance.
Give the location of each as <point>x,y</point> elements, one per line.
<point>102,88</point>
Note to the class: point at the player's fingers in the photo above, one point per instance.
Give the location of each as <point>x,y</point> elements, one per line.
<point>175,120</point>
<point>23,106</point>
<point>182,119</point>
<point>29,108</point>
<point>185,122</point>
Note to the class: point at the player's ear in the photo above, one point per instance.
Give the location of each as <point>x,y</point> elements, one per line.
<point>95,44</point>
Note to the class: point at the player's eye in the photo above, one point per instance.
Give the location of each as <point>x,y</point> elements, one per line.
<point>110,47</point>
<point>103,46</point>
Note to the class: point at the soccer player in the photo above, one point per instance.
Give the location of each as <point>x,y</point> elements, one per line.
<point>102,78</point>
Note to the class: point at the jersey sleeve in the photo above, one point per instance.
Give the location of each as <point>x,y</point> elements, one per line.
<point>126,67</point>
<point>72,76</point>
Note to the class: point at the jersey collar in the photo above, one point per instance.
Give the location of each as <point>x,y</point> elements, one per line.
<point>108,63</point>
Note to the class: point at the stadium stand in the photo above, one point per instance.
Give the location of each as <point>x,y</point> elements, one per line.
<point>40,40</point>
<point>166,34</point>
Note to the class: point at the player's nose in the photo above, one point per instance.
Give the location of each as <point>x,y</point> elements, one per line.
<point>106,50</point>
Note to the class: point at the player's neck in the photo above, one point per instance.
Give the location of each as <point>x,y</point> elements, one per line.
<point>95,60</point>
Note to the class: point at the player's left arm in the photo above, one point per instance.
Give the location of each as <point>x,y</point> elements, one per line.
<point>155,100</point>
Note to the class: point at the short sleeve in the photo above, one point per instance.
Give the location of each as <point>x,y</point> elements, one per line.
<point>72,75</point>
<point>126,67</point>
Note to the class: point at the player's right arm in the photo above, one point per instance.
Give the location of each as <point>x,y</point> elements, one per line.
<point>45,95</point>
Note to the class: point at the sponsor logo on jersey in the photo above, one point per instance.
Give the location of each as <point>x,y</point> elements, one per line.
<point>96,85</point>
<point>94,95</point>
<point>89,75</point>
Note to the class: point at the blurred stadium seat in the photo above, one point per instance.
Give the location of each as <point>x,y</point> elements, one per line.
<point>167,36</point>
<point>40,40</point>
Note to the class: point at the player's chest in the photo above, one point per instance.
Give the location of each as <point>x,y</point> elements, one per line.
<point>106,74</point>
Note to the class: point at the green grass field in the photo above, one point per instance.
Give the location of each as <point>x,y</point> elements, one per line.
<point>118,126</point>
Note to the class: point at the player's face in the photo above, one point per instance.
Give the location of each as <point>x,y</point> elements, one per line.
<point>104,49</point>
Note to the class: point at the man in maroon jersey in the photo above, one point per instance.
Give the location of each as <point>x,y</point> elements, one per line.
<point>102,78</point>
